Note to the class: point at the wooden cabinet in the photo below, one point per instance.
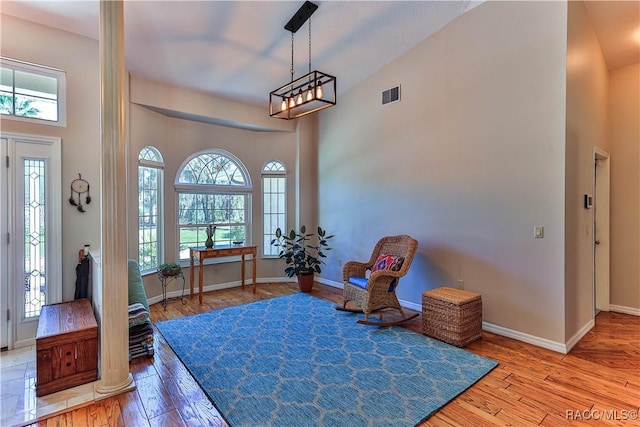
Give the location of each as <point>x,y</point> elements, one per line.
<point>66,346</point>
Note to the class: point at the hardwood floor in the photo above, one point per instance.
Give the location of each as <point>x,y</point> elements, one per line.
<point>598,383</point>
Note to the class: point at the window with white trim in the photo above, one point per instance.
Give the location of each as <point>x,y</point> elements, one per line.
<point>213,188</point>
<point>150,211</point>
<point>32,92</point>
<point>274,204</point>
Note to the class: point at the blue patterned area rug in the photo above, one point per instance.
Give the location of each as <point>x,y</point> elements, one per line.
<point>295,361</point>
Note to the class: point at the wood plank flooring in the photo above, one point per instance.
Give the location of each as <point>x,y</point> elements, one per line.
<point>597,384</point>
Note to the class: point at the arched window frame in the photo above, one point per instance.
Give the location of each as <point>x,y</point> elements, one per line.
<point>150,217</point>
<point>274,204</point>
<point>192,232</point>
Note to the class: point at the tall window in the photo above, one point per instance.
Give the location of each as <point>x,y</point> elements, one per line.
<point>32,92</point>
<point>150,218</point>
<point>213,188</point>
<point>274,206</point>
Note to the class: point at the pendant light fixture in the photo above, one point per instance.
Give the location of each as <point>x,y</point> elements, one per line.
<point>311,92</point>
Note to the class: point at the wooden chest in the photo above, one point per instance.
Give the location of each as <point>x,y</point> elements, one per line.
<point>66,346</point>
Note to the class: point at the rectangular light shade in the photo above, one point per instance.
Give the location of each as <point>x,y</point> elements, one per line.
<point>301,86</point>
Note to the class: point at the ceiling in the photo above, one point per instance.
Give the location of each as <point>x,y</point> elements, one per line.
<point>617,26</point>
<point>240,49</point>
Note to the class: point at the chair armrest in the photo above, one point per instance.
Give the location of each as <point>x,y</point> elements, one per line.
<point>381,280</point>
<point>354,268</point>
<point>385,273</point>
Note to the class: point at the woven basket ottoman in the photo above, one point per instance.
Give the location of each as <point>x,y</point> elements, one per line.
<point>452,315</point>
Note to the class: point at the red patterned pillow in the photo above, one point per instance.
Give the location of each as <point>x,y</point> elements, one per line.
<point>388,262</point>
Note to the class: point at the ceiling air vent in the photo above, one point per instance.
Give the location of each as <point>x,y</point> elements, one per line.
<point>391,95</point>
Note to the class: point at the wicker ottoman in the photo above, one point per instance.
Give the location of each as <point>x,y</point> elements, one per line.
<point>452,315</point>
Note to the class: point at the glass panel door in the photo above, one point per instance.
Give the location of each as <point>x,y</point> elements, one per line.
<point>34,254</point>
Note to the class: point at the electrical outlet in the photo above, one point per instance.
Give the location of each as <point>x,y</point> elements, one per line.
<point>339,262</point>
<point>460,283</point>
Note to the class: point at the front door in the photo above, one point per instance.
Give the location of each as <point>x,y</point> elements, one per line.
<point>33,239</point>
<point>4,245</point>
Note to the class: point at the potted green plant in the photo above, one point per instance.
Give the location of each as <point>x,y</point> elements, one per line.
<point>169,269</point>
<point>303,259</point>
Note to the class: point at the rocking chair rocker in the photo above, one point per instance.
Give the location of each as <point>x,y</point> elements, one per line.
<point>390,260</point>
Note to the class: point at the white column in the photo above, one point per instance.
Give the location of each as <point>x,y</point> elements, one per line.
<point>114,336</point>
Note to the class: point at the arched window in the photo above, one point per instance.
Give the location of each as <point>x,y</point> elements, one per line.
<point>274,204</point>
<point>150,212</point>
<point>213,187</point>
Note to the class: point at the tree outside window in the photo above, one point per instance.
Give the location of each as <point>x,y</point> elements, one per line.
<point>150,218</point>
<point>213,188</point>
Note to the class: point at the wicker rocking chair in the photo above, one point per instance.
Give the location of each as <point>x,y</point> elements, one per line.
<point>390,260</point>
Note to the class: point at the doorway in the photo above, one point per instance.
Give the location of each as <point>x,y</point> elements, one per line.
<point>31,255</point>
<point>601,244</point>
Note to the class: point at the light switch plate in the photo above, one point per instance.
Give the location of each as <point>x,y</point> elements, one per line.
<point>538,231</point>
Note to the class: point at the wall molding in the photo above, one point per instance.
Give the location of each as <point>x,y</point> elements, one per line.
<point>486,326</point>
<point>578,335</point>
<point>524,337</point>
<point>499,330</point>
<point>328,282</point>
<point>218,286</point>
<point>625,310</point>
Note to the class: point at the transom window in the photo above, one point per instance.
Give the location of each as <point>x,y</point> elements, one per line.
<point>213,188</point>
<point>150,213</point>
<point>274,204</point>
<point>32,92</point>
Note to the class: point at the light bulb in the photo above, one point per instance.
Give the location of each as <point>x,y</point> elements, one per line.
<point>319,90</point>
<point>299,97</point>
<point>292,102</point>
<point>309,93</point>
<point>283,105</point>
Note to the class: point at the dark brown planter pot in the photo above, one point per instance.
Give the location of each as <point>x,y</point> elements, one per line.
<point>171,272</point>
<point>305,282</point>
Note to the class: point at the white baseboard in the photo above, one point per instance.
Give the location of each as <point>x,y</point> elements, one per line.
<point>625,310</point>
<point>524,337</point>
<point>24,343</point>
<point>236,283</point>
<point>328,282</point>
<point>411,305</point>
<point>489,327</point>
<point>510,333</point>
<point>500,330</point>
<point>578,336</point>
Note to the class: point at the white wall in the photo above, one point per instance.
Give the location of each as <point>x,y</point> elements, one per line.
<point>78,57</point>
<point>206,106</point>
<point>624,134</point>
<point>468,162</point>
<point>177,139</point>
<point>587,81</point>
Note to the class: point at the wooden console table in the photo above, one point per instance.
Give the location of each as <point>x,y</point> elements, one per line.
<point>202,253</point>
